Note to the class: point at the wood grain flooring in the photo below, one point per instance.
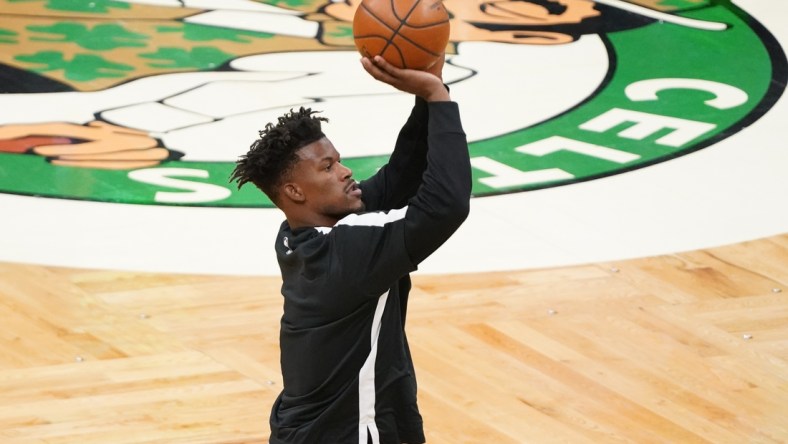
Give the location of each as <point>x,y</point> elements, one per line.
<point>684,348</point>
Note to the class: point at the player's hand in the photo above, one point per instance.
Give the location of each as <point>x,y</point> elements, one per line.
<point>95,145</point>
<point>424,84</point>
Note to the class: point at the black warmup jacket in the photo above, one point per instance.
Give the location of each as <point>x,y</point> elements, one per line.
<point>348,372</point>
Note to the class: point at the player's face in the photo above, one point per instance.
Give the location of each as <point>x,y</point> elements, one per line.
<point>327,185</point>
<point>521,12</point>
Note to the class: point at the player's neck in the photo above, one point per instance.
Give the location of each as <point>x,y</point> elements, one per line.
<point>311,220</point>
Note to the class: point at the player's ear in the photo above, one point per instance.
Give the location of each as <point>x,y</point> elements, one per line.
<point>293,192</point>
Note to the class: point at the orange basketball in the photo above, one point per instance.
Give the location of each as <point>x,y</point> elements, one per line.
<point>407,33</point>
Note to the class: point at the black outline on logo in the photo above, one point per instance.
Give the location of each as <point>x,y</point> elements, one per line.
<point>773,93</point>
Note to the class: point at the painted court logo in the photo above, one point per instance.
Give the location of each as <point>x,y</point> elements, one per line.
<point>132,102</point>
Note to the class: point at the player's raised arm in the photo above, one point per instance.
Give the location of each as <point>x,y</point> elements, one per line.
<point>397,181</point>
<point>441,203</point>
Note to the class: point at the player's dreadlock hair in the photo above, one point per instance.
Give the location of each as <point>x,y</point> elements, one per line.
<point>272,157</point>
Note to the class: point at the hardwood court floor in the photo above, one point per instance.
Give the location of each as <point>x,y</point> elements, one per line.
<point>684,348</point>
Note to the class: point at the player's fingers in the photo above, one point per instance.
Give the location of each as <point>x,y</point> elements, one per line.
<point>367,64</point>
<point>387,67</point>
<point>376,72</point>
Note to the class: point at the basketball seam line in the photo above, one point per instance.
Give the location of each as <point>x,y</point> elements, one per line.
<point>403,38</point>
<point>396,31</point>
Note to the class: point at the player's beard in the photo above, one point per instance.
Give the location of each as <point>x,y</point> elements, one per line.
<point>339,212</point>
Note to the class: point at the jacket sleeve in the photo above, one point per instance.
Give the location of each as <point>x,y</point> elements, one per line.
<point>398,180</point>
<point>376,248</point>
<point>442,201</point>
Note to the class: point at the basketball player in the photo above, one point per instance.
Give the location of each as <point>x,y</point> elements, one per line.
<point>345,252</point>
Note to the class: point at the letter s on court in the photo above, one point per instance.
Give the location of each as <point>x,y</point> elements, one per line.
<point>193,192</point>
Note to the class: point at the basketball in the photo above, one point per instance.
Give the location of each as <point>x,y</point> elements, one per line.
<point>407,33</point>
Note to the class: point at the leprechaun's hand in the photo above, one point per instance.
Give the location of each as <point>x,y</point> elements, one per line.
<point>95,145</point>
<point>342,10</point>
